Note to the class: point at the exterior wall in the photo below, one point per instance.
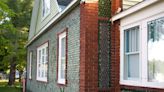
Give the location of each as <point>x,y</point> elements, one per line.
<point>72,22</point>
<point>115,48</point>
<point>89,46</point>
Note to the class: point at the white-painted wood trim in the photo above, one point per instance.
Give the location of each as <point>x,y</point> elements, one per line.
<point>30,65</point>
<point>122,74</point>
<point>134,9</point>
<point>60,80</point>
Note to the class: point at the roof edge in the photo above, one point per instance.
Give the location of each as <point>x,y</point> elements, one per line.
<point>133,9</point>
<point>55,19</point>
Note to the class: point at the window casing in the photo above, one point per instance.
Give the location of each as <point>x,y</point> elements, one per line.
<point>150,50</point>
<point>30,65</point>
<point>45,8</point>
<point>42,62</point>
<point>61,58</point>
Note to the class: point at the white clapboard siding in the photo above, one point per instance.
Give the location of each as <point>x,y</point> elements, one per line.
<point>129,3</point>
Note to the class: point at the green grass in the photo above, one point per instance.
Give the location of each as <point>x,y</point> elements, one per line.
<point>10,89</point>
<point>5,88</point>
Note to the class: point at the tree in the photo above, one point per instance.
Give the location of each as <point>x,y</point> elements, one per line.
<point>5,26</point>
<point>17,13</point>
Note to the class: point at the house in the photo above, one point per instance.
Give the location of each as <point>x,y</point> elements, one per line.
<point>63,46</point>
<point>138,47</point>
<point>96,46</point>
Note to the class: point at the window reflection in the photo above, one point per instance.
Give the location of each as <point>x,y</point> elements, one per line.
<point>155,50</point>
<point>45,7</point>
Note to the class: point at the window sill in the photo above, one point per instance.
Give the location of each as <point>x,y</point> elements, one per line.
<point>61,82</point>
<point>42,80</point>
<point>142,84</point>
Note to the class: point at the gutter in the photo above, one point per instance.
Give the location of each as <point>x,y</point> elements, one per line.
<point>133,9</point>
<point>55,19</point>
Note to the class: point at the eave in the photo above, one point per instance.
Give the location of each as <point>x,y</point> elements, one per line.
<point>133,9</point>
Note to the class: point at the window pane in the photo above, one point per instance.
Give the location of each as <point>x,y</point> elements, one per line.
<point>46,70</point>
<point>46,62</point>
<point>155,50</point>
<point>38,72</point>
<point>47,54</point>
<point>63,68</point>
<point>43,58</point>
<point>39,56</point>
<point>42,73</point>
<point>63,48</point>
<point>45,7</point>
<point>133,66</point>
<point>132,39</point>
<point>137,39</point>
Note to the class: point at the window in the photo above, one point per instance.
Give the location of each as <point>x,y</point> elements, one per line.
<point>155,50</point>
<point>30,65</point>
<point>62,59</point>
<point>45,8</point>
<point>63,4</point>
<point>42,62</point>
<point>132,53</point>
<point>141,53</point>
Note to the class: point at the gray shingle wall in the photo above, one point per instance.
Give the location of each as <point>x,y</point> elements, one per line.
<point>72,22</point>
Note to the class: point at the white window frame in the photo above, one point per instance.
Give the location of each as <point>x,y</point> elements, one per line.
<point>30,65</point>
<point>61,80</point>
<point>40,48</point>
<point>43,8</point>
<point>122,52</point>
<point>133,53</point>
<point>143,79</point>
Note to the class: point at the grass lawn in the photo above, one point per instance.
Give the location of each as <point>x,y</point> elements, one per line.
<point>5,88</point>
<point>10,89</point>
